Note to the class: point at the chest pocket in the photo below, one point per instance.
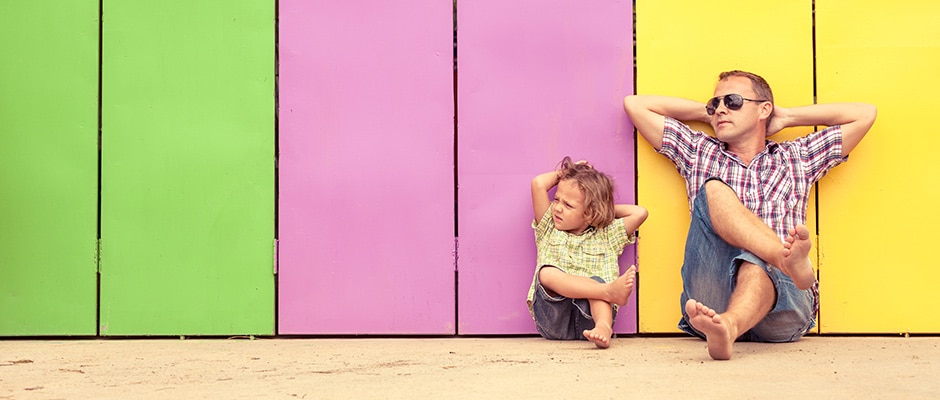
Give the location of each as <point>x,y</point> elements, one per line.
<point>594,254</point>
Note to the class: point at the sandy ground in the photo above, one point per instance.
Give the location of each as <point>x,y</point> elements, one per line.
<point>466,368</point>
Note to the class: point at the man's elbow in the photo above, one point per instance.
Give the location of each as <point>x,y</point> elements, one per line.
<point>866,117</point>
<point>630,103</point>
<point>871,112</point>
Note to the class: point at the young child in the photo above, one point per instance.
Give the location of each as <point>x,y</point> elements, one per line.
<point>580,234</point>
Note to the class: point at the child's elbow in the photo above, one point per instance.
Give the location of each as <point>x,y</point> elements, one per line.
<point>537,184</point>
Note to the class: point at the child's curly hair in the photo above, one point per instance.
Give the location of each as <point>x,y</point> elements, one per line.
<point>597,187</point>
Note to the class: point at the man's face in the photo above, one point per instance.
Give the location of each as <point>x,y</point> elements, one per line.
<point>732,126</point>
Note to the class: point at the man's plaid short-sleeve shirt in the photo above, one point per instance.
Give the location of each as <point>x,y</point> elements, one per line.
<point>775,185</point>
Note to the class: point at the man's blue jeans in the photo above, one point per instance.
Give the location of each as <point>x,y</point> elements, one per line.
<point>709,274</point>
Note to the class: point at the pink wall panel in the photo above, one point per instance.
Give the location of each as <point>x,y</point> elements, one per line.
<point>366,191</point>
<point>537,80</point>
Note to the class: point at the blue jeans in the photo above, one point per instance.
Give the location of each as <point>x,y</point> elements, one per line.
<point>709,274</point>
<point>559,317</point>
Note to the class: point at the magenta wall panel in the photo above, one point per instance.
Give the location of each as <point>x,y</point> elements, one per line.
<point>537,80</point>
<point>366,168</point>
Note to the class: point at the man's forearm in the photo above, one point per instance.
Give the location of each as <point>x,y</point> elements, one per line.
<point>823,114</point>
<point>673,107</point>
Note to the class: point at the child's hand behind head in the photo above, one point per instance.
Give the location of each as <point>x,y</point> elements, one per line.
<point>567,164</point>
<point>584,162</point>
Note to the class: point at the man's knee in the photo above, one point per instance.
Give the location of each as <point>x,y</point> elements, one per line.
<point>781,327</point>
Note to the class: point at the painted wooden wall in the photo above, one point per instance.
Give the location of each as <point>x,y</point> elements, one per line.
<point>877,270</point>
<point>48,167</point>
<point>681,48</point>
<point>187,168</point>
<point>536,81</point>
<point>366,206</point>
<point>391,219</point>
<point>870,250</point>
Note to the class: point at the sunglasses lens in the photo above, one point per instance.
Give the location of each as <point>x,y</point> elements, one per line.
<point>712,105</point>
<point>734,101</point>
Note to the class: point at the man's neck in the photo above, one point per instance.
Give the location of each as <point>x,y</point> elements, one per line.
<point>746,151</point>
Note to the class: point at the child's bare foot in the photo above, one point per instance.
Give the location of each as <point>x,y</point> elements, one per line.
<point>796,263</point>
<point>717,331</point>
<point>620,289</point>
<point>600,335</point>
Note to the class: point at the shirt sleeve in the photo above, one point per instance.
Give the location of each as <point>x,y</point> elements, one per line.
<point>543,225</point>
<point>617,236</point>
<point>821,151</point>
<point>679,145</point>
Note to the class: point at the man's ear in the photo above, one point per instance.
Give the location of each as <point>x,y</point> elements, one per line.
<point>766,108</point>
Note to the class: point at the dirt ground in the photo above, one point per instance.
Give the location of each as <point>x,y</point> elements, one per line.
<point>466,368</point>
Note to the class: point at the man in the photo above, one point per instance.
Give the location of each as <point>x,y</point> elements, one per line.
<point>747,273</point>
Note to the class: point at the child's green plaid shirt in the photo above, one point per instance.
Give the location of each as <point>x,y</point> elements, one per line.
<point>595,252</point>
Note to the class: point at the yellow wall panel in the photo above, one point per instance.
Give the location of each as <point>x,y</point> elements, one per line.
<point>681,48</point>
<point>878,211</point>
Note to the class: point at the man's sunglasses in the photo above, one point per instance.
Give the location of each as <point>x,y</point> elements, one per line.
<point>732,101</point>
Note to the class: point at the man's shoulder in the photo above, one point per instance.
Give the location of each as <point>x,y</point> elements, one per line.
<point>674,124</point>
<point>827,134</point>
<point>684,132</point>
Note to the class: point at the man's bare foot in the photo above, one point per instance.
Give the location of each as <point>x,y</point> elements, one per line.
<point>796,263</point>
<point>717,332</point>
<point>620,289</point>
<point>600,335</point>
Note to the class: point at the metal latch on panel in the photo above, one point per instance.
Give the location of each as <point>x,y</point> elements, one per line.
<point>274,261</point>
<point>98,255</point>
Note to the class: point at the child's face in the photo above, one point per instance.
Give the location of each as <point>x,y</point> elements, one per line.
<point>568,208</point>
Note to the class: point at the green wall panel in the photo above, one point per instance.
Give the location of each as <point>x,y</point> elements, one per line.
<point>48,167</point>
<point>187,213</point>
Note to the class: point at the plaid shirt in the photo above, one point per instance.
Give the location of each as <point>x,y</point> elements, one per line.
<point>776,184</point>
<point>595,252</point>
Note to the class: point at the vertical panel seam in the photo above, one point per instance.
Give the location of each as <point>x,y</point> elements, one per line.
<point>277,154</point>
<point>636,168</point>
<point>98,214</point>
<point>456,185</point>
<point>818,215</point>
